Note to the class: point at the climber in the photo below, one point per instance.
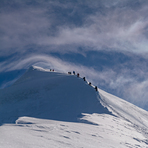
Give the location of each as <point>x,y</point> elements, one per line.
<point>78,74</point>
<point>74,72</point>
<point>89,83</point>
<point>84,79</point>
<point>96,88</point>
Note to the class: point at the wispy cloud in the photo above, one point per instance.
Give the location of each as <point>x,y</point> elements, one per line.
<point>109,28</point>
<point>122,30</point>
<point>21,28</point>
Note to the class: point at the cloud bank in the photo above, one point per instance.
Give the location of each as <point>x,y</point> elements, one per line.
<point>41,27</point>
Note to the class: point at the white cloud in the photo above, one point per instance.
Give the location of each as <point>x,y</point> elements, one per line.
<point>117,30</point>
<point>21,28</point>
<point>121,29</point>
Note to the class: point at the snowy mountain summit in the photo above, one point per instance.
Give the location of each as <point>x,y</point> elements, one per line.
<point>50,109</point>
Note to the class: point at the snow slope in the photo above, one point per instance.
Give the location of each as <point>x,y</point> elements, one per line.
<point>9,77</point>
<point>51,109</point>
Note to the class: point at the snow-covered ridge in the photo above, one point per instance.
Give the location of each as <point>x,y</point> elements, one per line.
<point>50,95</point>
<point>124,109</point>
<point>68,93</point>
<point>38,68</point>
<point>41,101</point>
<point>31,73</point>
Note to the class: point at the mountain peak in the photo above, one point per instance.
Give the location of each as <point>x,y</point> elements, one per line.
<point>33,72</point>
<point>53,95</point>
<point>37,68</point>
<point>41,96</point>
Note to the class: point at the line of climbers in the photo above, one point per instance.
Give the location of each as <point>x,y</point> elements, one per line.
<point>78,75</point>
<point>51,69</point>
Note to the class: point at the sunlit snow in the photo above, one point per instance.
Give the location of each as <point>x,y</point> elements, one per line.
<point>54,110</point>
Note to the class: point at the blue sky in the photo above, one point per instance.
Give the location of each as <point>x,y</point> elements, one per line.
<point>105,41</point>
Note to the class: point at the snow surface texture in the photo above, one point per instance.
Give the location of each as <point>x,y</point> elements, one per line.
<point>46,109</point>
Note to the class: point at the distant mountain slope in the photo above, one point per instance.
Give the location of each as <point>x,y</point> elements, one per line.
<point>9,77</point>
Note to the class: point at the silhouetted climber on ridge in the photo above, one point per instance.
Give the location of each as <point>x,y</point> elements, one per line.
<point>90,83</point>
<point>84,79</point>
<point>78,74</point>
<point>96,88</point>
<point>74,72</point>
